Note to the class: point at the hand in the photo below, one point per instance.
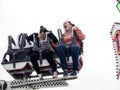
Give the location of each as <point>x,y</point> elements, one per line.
<point>74,27</point>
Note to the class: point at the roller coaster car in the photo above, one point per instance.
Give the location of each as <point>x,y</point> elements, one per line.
<point>16,60</point>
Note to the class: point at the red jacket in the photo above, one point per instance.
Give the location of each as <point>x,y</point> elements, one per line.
<point>79,37</point>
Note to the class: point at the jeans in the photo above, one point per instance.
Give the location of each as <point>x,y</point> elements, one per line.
<point>74,51</point>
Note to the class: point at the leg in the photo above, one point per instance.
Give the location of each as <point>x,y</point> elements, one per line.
<point>49,56</point>
<point>75,51</point>
<point>34,57</point>
<point>61,52</point>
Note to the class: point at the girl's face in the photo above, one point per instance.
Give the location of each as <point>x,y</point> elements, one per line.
<point>42,35</point>
<point>67,26</point>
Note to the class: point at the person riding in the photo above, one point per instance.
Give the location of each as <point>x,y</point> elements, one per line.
<point>74,49</point>
<point>47,53</point>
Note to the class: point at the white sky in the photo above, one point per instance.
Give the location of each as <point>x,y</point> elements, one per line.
<point>95,18</point>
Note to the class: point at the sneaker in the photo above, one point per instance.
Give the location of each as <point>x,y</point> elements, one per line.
<point>65,74</point>
<point>73,73</point>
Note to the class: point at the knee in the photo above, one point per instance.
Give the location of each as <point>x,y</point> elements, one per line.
<point>33,57</point>
<point>74,46</point>
<point>47,54</point>
<point>59,47</point>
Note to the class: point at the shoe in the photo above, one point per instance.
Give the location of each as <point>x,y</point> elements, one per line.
<point>73,73</point>
<point>65,73</point>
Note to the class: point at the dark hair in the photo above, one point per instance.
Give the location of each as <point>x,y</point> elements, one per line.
<point>71,23</point>
<point>43,29</point>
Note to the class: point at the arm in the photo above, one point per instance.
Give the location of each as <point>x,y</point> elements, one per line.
<point>53,40</point>
<point>79,33</point>
<point>30,37</point>
<point>53,37</point>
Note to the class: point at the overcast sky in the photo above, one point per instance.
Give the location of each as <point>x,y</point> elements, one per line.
<point>94,17</point>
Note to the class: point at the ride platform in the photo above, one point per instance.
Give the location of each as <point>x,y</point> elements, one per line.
<point>33,84</point>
